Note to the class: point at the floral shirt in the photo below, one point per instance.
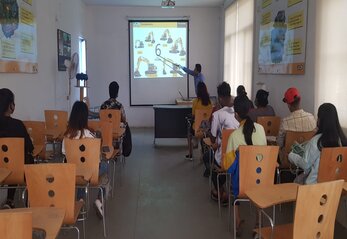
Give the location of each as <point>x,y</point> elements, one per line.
<point>112,103</point>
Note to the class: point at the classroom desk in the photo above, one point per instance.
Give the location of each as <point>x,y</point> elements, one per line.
<point>4,173</point>
<point>49,219</point>
<point>170,121</point>
<point>273,195</point>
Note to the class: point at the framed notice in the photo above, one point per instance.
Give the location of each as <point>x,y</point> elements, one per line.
<point>18,37</point>
<point>64,49</point>
<point>282,36</point>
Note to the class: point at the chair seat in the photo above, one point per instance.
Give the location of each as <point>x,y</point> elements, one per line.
<point>284,231</point>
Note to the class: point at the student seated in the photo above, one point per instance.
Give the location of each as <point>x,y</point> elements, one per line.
<point>262,104</point>
<point>249,133</point>
<point>112,102</point>
<point>329,134</point>
<point>202,102</point>
<point>78,129</point>
<point>240,90</point>
<point>298,120</point>
<point>10,127</point>
<point>223,118</point>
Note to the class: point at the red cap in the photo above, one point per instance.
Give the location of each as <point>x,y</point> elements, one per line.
<point>290,95</point>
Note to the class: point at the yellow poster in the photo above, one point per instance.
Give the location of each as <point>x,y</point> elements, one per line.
<point>265,40</point>
<point>26,16</point>
<point>26,43</point>
<point>293,2</point>
<point>266,3</point>
<point>296,20</point>
<point>30,2</point>
<point>266,18</point>
<point>294,47</point>
<point>8,49</point>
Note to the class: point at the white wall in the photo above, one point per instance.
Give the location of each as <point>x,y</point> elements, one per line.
<point>108,54</point>
<point>48,88</point>
<point>278,84</point>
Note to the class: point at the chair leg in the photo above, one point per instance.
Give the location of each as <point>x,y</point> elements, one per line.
<point>103,210</point>
<point>218,196</point>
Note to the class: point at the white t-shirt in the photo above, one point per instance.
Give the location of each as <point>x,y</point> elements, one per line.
<point>86,134</point>
<point>222,119</point>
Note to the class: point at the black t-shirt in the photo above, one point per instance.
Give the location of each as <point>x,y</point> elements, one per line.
<point>10,127</point>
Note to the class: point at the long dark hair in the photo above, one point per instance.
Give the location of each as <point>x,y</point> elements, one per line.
<point>202,93</point>
<point>6,99</point>
<point>78,120</point>
<point>329,127</point>
<point>242,106</point>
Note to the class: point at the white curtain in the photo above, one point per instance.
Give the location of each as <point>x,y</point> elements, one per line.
<point>238,44</point>
<point>331,56</point>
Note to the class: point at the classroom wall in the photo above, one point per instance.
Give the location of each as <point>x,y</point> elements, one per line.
<point>48,88</point>
<point>278,84</point>
<point>108,54</point>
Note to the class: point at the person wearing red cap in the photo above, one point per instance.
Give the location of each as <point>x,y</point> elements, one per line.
<point>298,120</point>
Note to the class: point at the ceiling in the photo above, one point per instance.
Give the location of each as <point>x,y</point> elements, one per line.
<point>156,3</point>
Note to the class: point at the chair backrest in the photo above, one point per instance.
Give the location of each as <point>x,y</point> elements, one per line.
<point>271,124</point>
<point>257,166</point>
<point>52,185</point>
<point>225,137</point>
<point>12,158</point>
<point>56,120</point>
<point>315,210</point>
<point>332,164</point>
<point>113,116</point>
<point>36,131</point>
<point>85,154</point>
<point>201,115</point>
<point>15,224</point>
<point>94,125</point>
<point>300,137</point>
<point>106,137</point>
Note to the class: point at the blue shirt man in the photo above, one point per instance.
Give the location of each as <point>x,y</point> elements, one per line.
<point>196,73</point>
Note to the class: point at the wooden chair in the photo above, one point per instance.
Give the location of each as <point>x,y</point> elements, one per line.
<point>15,224</point>
<point>107,149</point>
<point>56,122</point>
<point>225,137</point>
<point>113,116</point>
<point>291,137</point>
<point>12,158</point>
<point>94,125</point>
<point>257,165</point>
<point>271,124</point>
<point>53,185</point>
<point>332,164</point>
<point>37,133</point>
<point>315,213</point>
<point>201,115</point>
<point>85,154</point>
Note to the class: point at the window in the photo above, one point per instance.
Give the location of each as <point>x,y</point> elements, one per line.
<point>83,62</point>
<point>331,54</point>
<point>238,44</point>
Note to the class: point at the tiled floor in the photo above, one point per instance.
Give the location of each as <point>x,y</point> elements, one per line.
<point>164,196</point>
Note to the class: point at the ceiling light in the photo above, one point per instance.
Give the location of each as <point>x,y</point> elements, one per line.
<point>168,4</point>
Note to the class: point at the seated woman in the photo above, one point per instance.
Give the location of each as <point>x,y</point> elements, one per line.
<point>329,134</point>
<point>202,102</point>
<point>78,129</point>
<point>262,104</point>
<point>249,133</point>
<point>10,127</point>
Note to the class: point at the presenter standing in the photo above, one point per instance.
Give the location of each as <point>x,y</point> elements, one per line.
<point>196,73</point>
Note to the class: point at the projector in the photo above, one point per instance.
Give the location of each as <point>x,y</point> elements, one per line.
<point>168,4</point>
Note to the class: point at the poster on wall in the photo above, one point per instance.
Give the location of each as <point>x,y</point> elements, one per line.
<point>282,36</point>
<point>64,49</point>
<point>18,38</point>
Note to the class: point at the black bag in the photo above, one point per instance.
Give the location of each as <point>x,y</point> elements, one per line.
<point>127,142</point>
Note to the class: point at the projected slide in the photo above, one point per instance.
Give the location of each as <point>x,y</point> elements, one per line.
<point>157,48</point>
